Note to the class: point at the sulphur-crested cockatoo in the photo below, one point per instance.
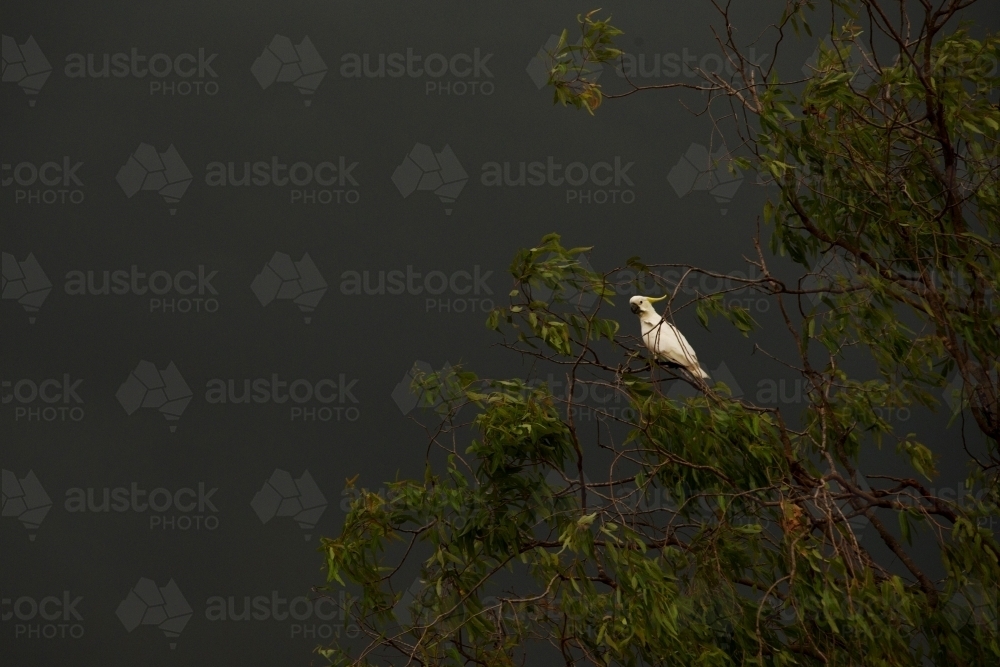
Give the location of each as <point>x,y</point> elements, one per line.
<point>663,339</point>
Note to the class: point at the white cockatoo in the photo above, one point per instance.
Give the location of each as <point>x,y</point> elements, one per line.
<point>663,339</point>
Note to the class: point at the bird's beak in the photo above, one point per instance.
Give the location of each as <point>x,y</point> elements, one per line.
<point>655,299</point>
<point>634,307</point>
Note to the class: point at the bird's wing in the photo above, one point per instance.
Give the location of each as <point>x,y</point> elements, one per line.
<point>669,343</point>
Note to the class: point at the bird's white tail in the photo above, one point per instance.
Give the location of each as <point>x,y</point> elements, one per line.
<point>700,372</point>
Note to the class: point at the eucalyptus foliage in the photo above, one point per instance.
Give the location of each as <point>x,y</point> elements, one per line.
<point>720,532</point>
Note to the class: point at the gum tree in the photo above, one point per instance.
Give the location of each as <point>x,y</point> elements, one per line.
<point>695,527</point>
